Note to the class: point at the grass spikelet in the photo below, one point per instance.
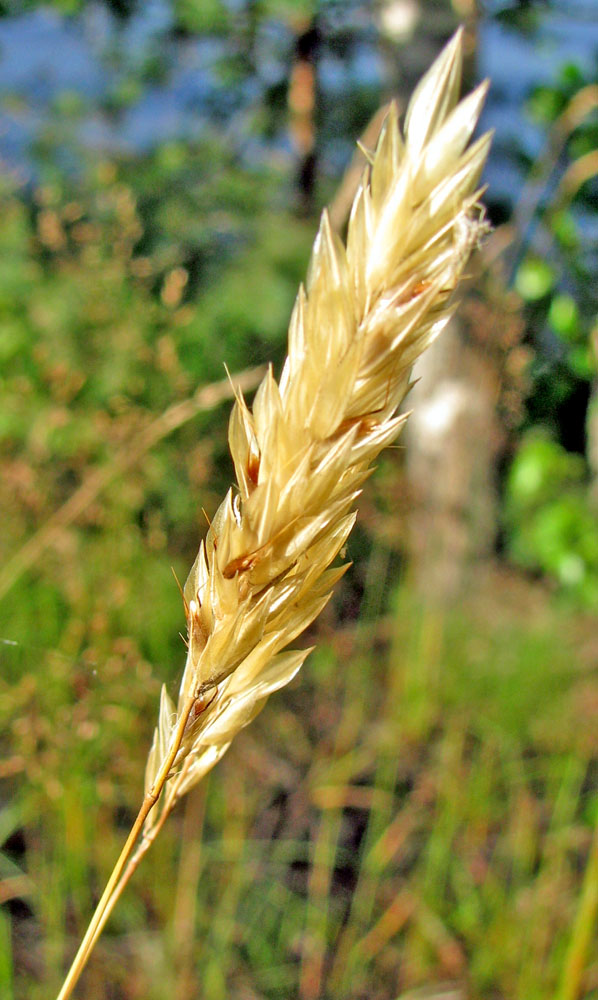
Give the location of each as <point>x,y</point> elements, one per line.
<point>301,456</point>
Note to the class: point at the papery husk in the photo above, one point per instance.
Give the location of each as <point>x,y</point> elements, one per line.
<point>302,455</point>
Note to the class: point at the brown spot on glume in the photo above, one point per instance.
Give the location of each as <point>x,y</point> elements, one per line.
<point>365,425</point>
<point>240,565</point>
<point>253,468</point>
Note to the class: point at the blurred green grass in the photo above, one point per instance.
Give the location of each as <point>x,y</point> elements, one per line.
<point>415,812</point>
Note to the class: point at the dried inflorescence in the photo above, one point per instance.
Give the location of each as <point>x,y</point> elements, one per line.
<point>262,574</point>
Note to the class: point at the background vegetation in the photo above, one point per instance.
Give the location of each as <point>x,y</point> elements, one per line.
<point>418,811</point>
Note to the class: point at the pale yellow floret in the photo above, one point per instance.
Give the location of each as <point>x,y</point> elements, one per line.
<point>301,457</point>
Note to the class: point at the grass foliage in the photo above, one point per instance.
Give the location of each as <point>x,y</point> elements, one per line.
<point>416,814</point>
<point>417,811</point>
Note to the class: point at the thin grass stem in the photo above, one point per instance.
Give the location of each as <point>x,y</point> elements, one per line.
<point>577,955</point>
<point>120,876</point>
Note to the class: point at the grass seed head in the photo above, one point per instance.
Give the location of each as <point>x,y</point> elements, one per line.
<point>367,311</point>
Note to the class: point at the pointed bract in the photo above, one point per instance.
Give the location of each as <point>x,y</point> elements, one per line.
<point>262,575</point>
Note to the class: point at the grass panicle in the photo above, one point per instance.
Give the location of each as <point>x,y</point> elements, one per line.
<point>301,456</point>
<point>262,574</point>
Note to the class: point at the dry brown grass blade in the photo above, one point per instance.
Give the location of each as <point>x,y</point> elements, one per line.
<point>208,397</point>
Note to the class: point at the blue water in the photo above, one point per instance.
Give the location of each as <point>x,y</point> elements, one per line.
<point>516,62</point>
<point>48,61</point>
<point>45,57</point>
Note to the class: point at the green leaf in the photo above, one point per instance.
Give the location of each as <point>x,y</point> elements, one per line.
<point>545,104</point>
<point>199,16</point>
<point>534,279</point>
<point>563,317</point>
<point>540,471</point>
<point>581,362</point>
<point>565,229</point>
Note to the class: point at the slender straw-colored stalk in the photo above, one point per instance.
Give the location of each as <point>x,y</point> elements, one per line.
<point>580,945</point>
<point>368,310</point>
<point>109,896</point>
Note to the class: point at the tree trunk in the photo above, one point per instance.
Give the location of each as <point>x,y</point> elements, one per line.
<point>468,399</point>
